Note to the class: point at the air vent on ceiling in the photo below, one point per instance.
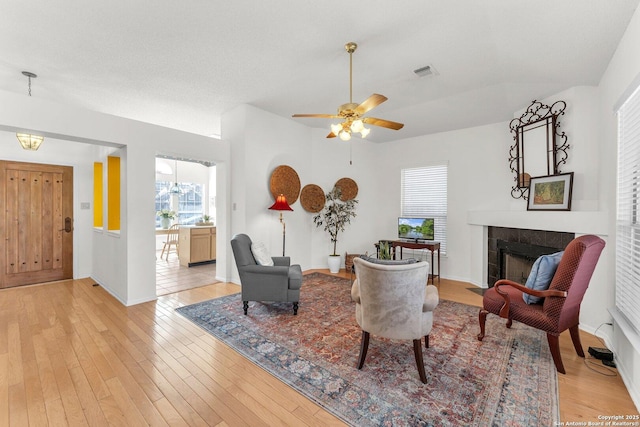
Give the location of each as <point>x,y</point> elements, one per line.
<point>427,70</point>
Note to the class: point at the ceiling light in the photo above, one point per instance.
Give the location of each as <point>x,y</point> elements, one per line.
<point>357,126</point>
<point>28,141</point>
<point>353,114</point>
<point>176,188</point>
<point>345,135</point>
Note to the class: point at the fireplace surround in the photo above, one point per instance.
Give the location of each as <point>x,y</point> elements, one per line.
<point>519,248</point>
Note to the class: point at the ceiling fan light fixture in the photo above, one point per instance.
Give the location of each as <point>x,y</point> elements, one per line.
<point>357,126</point>
<point>353,114</point>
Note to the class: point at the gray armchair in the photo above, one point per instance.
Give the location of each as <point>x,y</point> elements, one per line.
<point>280,282</point>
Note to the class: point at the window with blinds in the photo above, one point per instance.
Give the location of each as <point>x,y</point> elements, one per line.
<point>627,224</point>
<point>424,194</point>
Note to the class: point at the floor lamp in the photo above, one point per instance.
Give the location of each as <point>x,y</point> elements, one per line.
<point>281,205</point>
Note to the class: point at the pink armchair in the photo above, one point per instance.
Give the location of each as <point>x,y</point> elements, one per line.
<point>560,309</point>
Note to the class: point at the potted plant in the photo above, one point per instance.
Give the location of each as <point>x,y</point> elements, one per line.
<point>166,216</point>
<point>334,217</point>
<point>206,220</point>
<point>384,250</point>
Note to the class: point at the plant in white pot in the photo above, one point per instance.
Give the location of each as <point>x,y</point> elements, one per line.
<point>166,216</point>
<point>334,217</point>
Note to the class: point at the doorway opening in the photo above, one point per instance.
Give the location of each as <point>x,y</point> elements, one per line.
<point>185,198</point>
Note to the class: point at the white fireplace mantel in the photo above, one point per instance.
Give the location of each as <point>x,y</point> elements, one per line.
<point>582,222</point>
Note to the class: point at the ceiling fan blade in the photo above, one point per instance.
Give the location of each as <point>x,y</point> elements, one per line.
<point>383,123</point>
<point>322,116</point>
<point>371,102</point>
<point>331,135</point>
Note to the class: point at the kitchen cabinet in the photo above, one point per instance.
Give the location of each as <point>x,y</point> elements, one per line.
<point>197,244</point>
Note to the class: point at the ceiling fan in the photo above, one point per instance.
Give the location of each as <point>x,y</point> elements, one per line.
<point>352,114</point>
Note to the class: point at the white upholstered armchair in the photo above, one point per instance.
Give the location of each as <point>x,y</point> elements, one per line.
<point>395,302</point>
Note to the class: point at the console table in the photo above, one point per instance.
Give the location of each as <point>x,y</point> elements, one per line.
<point>430,246</point>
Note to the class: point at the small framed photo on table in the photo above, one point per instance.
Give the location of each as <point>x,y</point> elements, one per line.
<point>550,193</point>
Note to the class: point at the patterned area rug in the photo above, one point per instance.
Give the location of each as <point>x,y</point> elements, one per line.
<point>508,379</point>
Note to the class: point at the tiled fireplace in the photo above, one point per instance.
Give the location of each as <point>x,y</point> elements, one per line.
<point>512,251</point>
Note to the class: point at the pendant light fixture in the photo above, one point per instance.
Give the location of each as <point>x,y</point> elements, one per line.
<point>29,141</point>
<point>176,188</point>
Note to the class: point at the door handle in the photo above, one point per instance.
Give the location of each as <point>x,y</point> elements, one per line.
<point>67,225</point>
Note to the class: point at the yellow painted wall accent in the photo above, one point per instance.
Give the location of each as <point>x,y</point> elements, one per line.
<point>98,194</point>
<point>113,193</point>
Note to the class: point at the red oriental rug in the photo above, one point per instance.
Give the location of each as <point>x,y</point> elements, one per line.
<point>508,379</point>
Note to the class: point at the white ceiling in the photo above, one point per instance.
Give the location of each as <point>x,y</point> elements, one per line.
<point>182,64</point>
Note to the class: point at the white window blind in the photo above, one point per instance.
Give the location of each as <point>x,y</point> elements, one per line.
<point>424,194</point>
<point>627,221</point>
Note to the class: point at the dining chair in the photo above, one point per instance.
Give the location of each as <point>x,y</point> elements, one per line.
<point>172,240</point>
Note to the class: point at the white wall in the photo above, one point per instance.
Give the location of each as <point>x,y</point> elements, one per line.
<point>478,179</point>
<point>622,73</point>
<point>331,162</point>
<point>124,262</point>
<point>260,142</point>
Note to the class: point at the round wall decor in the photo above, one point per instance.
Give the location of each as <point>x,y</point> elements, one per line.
<point>285,180</point>
<point>348,189</point>
<point>312,198</point>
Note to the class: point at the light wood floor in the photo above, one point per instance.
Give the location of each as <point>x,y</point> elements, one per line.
<point>70,354</point>
<point>172,277</point>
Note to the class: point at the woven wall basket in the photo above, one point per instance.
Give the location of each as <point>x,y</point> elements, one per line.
<point>348,189</point>
<point>285,180</point>
<point>312,198</point>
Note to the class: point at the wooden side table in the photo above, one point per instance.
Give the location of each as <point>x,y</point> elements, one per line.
<point>430,246</point>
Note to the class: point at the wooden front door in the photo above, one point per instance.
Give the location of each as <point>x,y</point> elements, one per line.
<point>36,223</point>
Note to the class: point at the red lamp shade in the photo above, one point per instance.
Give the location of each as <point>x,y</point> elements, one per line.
<point>281,204</point>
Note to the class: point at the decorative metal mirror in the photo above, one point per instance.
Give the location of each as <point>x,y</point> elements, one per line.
<point>539,146</point>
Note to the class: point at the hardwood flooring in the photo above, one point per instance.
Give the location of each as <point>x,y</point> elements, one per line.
<point>70,354</point>
<point>172,277</point>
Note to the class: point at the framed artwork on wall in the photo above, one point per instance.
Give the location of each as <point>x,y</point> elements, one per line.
<point>550,193</point>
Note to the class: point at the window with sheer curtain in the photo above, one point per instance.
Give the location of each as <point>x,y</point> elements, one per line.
<point>627,221</point>
<point>424,194</point>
